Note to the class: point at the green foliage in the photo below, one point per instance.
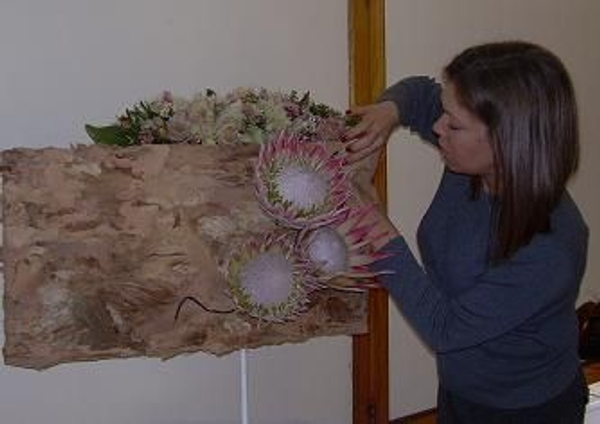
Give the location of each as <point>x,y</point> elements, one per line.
<point>112,135</point>
<point>352,120</point>
<point>144,121</point>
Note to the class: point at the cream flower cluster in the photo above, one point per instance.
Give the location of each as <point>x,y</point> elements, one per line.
<point>244,115</point>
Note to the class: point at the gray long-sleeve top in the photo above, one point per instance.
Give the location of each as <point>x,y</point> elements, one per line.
<point>505,335</point>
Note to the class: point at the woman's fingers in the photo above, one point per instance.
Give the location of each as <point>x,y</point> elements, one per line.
<point>362,128</point>
<point>372,131</point>
<point>359,110</point>
<point>360,149</point>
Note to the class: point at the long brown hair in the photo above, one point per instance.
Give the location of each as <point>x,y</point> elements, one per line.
<point>524,95</point>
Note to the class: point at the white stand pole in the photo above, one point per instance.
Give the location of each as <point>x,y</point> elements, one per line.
<point>244,385</point>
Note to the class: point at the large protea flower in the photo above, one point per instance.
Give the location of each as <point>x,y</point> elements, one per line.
<point>301,184</point>
<point>267,279</point>
<point>340,253</point>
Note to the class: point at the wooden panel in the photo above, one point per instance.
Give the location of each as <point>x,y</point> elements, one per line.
<point>591,370</point>
<point>367,80</point>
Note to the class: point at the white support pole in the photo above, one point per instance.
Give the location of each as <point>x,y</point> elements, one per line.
<point>244,385</point>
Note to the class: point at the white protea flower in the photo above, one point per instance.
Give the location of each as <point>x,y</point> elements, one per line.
<point>340,253</point>
<point>301,184</point>
<point>267,280</point>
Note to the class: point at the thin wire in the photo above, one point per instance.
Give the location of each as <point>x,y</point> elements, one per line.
<point>197,302</point>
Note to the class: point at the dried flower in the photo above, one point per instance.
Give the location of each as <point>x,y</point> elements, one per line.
<point>244,115</point>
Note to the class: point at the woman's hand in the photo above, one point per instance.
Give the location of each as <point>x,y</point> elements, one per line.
<point>366,139</point>
<point>384,228</point>
<point>377,121</point>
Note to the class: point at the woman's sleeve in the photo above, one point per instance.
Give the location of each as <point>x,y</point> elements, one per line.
<point>540,275</point>
<point>419,105</point>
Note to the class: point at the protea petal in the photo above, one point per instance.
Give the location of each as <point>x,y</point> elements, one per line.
<point>301,184</point>
<point>266,278</point>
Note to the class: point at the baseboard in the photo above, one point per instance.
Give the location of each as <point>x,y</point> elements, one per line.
<point>424,417</point>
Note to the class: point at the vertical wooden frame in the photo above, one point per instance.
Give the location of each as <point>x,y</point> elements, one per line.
<point>366,22</point>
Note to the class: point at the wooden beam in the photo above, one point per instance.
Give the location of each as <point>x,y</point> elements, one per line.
<point>366,19</point>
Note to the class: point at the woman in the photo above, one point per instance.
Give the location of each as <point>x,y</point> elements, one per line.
<point>503,245</point>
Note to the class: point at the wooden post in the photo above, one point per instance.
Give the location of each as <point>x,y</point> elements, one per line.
<point>367,79</point>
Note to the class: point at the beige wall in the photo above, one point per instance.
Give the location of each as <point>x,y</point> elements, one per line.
<point>68,62</point>
<point>422,35</point>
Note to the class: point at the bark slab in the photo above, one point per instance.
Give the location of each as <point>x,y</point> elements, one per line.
<point>100,245</point>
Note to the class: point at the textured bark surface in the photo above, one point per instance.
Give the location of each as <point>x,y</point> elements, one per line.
<point>101,244</point>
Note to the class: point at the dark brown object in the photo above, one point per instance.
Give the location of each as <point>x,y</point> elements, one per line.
<point>588,315</point>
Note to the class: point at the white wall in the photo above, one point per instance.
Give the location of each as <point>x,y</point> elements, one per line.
<point>422,36</point>
<point>68,62</point>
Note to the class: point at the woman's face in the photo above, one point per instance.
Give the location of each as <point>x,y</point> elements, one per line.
<point>463,139</point>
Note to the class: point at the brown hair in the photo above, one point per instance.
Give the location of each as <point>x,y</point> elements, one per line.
<point>524,95</point>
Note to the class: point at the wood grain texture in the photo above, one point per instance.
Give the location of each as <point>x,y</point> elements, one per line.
<point>367,79</point>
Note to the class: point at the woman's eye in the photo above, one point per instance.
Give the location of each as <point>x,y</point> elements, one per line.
<point>453,127</point>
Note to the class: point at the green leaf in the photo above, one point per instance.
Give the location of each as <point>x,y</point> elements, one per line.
<point>111,134</point>
<point>305,100</point>
<point>350,121</point>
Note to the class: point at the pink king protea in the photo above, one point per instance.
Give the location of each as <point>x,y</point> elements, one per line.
<point>299,184</point>
<point>267,279</point>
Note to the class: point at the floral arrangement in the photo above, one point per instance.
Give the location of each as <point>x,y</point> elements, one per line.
<point>244,115</point>
<point>320,241</point>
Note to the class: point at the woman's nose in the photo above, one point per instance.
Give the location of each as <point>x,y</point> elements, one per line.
<point>438,126</point>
